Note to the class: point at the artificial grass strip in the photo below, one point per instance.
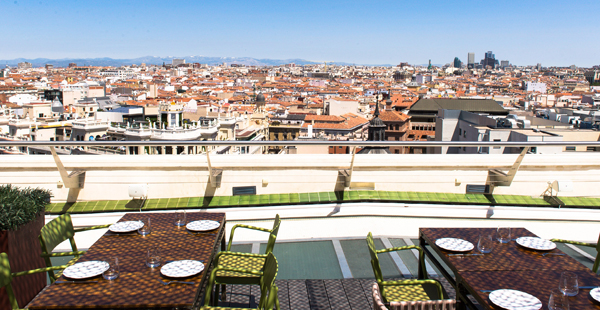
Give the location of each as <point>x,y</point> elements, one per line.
<point>97,206</point>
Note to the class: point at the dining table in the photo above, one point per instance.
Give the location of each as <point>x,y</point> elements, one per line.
<point>139,286</point>
<point>508,266</point>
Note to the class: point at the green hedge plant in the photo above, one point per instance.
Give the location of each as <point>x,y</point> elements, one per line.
<point>20,206</point>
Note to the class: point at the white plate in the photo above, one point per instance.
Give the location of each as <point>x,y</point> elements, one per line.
<point>203,225</point>
<point>86,269</point>
<point>515,300</point>
<point>453,244</point>
<point>536,243</point>
<point>182,268</point>
<point>127,226</point>
<point>595,293</point>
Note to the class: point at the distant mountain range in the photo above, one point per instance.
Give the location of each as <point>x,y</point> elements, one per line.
<point>153,60</point>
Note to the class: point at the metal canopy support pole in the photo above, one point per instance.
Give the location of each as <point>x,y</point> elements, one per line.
<point>347,173</point>
<point>73,180</point>
<point>499,178</point>
<point>213,173</point>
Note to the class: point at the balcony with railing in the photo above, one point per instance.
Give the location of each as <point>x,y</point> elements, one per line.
<point>328,202</point>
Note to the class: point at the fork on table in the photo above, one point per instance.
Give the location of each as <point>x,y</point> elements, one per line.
<point>169,282</point>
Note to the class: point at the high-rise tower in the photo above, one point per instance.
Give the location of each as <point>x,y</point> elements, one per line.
<point>471,61</point>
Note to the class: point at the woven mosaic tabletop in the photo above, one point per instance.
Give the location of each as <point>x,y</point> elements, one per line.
<point>504,256</point>
<point>538,283</point>
<point>138,286</point>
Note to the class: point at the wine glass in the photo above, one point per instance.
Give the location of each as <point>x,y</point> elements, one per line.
<point>558,300</point>
<point>485,243</point>
<point>113,269</point>
<point>503,234</point>
<point>568,283</point>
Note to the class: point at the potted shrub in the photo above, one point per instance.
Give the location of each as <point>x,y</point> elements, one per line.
<point>21,219</point>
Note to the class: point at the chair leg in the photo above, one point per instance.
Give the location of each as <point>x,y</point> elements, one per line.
<point>224,292</point>
<point>214,299</point>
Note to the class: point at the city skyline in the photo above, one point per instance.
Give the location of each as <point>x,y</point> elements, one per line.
<point>315,31</point>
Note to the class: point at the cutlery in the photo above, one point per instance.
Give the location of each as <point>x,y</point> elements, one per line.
<point>486,291</point>
<point>473,254</point>
<point>553,254</point>
<point>589,287</point>
<point>169,282</point>
<point>170,261</point>
<point>200,233</point>
<point>74,282</point>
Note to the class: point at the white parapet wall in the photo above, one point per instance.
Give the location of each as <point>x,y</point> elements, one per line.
<point>108,176</point>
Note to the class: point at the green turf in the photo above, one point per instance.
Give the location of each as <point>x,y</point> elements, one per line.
<point>315,197</point>
<point>303,197</point>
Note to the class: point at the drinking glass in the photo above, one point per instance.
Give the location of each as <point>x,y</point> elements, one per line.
<point>180,218</point>
<point>145,230</point>
<point>485,243</point>
<point>503,234</point>
<point>153,257</point>
<point>568,283</point>
<point>113,269</point>
<point>558,300</point>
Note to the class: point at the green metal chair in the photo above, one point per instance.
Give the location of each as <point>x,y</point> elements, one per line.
<point>55,232</point>
<point>404,290</point>
<point>6,277</point>
<point>268,289</point>
<point>596,245</point>
<point>247,261</point>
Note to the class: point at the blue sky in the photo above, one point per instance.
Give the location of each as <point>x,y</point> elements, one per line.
<point>524,32</point>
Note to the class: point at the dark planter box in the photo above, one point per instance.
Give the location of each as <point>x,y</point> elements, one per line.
<point>23,249</point>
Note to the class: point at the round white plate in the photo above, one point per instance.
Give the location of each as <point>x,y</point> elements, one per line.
<point>453,244</point>
<point>86,269</point>
<point>182,268</point>
<point>595,293</point>
<point>536,243</point>
<point>515,300</point>
<point>203,225</point>
<point>127,226</point>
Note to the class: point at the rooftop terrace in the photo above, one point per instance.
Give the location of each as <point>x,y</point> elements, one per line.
<point>324,262</point>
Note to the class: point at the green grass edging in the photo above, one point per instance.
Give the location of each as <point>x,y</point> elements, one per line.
<point>313,198</point>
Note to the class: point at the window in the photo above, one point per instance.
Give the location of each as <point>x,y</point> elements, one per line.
<point>459,131</point>
<point>570,148</point>
<point>497,140</point>
<point>592,149</point>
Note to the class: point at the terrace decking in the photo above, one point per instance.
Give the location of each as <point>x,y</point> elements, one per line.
<point>314,198</point>
<point>312,294</point>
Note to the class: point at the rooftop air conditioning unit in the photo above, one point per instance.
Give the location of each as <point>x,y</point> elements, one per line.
<point>138,190</point>
<point>563,186</point>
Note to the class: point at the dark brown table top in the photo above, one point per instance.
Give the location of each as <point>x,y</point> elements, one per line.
<point>538,283</point>
<point>504,256</point>
<point>138,286</point>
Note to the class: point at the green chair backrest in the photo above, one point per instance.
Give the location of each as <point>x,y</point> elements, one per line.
<point>597,261</point>
<point>267,280</point>
<point>268,291</point>
<point>273,235</point>
<point>5,279</point>
<point>374,258</point>
<point>55,232</point>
